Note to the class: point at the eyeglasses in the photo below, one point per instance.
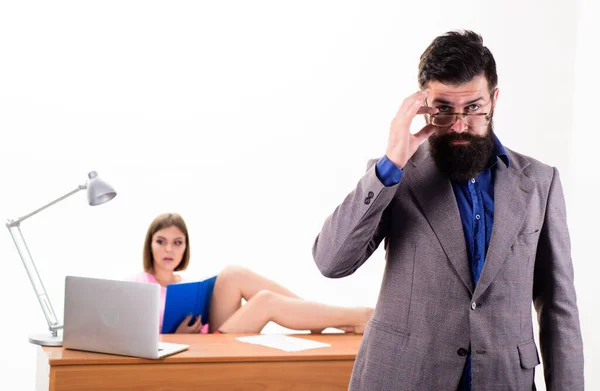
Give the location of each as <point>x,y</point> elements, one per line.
<point>446,120</point>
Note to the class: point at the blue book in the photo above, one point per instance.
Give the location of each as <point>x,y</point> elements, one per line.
<point>184,299</point>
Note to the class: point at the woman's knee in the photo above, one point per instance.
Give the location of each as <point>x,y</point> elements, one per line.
<point>264,299</point>
<point>233,273</point>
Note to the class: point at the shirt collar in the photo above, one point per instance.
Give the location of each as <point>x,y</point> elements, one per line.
<point>500,152</point>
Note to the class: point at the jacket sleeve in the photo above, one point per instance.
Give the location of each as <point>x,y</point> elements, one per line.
<point>555,299</point>
<point>356,228</point>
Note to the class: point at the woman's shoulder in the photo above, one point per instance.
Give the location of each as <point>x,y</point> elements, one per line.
<point>143,277</point>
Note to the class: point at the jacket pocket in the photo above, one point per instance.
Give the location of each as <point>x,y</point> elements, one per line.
<point>528,236</point>
<point>387,328</point>
<point>383,359</point>
<point>528,354</point>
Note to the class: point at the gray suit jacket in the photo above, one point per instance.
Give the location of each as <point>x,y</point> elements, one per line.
<point>428,314</point>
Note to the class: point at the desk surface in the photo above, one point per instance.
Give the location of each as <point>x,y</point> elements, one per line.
<point>211,348</point>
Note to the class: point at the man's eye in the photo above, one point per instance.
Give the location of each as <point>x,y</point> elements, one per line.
<point>444,109</point>
<point>473,107</point>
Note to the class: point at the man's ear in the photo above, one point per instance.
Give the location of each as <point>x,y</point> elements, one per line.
<point>496,93</point>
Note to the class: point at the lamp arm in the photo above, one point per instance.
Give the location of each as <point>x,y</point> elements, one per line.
<point>15,231</point>
<point>16,222</point>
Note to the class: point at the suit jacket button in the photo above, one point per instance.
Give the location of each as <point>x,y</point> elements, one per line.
<point>371,194</point>
<point>462,352</point>
<point>367,201</point>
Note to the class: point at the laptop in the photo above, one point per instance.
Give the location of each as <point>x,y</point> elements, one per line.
<point>115,317</point>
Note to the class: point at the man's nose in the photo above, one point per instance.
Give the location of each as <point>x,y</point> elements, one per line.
<point>459,126</point>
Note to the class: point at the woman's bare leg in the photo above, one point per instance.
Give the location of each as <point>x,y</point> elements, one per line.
<point>234,284</point>
<point>294,313</point>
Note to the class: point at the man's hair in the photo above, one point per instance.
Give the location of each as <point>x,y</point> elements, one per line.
<point>456,58</point>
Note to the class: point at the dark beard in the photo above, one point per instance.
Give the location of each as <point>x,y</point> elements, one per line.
<point>462,162</point>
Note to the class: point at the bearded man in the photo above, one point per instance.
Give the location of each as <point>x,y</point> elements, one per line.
<point>474,234</point>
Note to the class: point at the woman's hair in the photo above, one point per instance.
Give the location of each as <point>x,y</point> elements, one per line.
<point>165,220</point>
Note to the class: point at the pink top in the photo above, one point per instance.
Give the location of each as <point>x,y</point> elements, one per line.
<point>149,278</point>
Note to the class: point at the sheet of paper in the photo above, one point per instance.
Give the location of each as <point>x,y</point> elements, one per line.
<point>283,342</point>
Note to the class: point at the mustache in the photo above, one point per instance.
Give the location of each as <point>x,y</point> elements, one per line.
<point>448,137</point>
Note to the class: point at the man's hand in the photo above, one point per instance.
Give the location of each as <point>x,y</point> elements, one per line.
<point>401,143</point>
<point>195,328</point>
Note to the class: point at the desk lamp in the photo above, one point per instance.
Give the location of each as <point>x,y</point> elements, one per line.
<point>98,192</point>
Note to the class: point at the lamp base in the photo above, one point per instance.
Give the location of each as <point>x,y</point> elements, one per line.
<point>45,339</point>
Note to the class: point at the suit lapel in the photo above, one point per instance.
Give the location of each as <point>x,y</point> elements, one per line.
<point>512,193</point>
<point>435,196</point>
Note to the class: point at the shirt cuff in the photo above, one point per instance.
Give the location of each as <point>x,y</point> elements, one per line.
<point>388,173</point>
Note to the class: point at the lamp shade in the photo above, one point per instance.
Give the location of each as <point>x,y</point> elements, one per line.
<point>98,191</point>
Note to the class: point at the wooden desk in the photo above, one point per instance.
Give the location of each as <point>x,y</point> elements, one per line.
<point>213,362</point>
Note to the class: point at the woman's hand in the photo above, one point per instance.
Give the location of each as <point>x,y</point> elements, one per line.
<point>195,328</point>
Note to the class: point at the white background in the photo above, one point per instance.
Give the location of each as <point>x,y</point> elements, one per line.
<point>253,120</point>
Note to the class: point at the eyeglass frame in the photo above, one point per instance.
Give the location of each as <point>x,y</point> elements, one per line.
<point>488,116</point>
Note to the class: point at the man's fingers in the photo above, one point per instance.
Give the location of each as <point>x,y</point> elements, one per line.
<point>427,110</point>
<point>412,106</point>
<point>400,140</point>
<point>424,133</point>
